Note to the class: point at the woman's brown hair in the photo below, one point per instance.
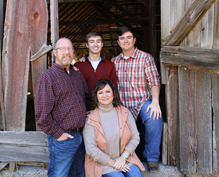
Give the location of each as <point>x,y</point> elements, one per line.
<point>100,84</point>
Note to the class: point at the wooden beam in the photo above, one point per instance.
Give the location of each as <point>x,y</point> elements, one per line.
<point>15,72</point>
<point>2,112</point>
<point>85,33</point>
<point>38,14</point>
<point>3,164</point>
<point>23,146</point>
<point>188,20</point>
<point>54,10</point>
<point>70,1</point>
<point>143,2</point>
<point>104,21</point>
<point>215,121</point>
<point>42,51</point>
<point>190,56</point>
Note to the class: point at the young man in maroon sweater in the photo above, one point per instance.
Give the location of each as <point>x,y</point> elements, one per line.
<point>95,67</point>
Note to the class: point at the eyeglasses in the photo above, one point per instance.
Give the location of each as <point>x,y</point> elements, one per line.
<point>63,49</point>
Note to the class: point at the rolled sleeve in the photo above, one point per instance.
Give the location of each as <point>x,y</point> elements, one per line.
<point>151,72</point>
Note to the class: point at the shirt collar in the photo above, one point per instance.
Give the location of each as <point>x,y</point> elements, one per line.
<point>133,55</point>
<point>61,68</point>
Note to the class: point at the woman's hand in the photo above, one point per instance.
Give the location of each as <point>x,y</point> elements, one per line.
<point>125,168</point>
<point>120,162</point>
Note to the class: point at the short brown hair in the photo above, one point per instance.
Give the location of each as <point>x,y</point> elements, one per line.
<point>93,33</point>
<point>100,84</point>
<point>123,29</point>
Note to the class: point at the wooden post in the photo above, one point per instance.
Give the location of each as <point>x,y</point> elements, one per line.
<point>54,14</point>
<point>15,63</point>
<point>164,144</point>
<point>38,14</point>
<point>2,117</point>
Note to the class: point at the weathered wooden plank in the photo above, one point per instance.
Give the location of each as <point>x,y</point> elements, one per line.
<point>195,120</point>
<point>216,26</point>
<point>15,63</point>
<point>171,11</point>
<point>19,138</point>
<point>165,143</point>
<point>24,153</point>
<point>3,164</point>
<point>38,15</point>
<point>188,20</point>
<point>172,115</point>
<point>12,166</point>
<point>2,117</point>
<point>215,110</point>
<point>202,33</point>
<point>23,146</point>
<point>54,15</point>
<point>189,56</point>
<point>43,50</point>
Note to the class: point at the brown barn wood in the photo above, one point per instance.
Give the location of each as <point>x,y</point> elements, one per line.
<point>12,166</point>
<point>172,102</point>
<point>54,20</point>
<point>42,51</point>
<point>165,143</point>
<point>186,23</point>
<point>2,116</point>
<point>190,56</point>
<point>15,63</point>
<point>216,26</point>
<point>195,122</point>
<point>38,16</point>
<point>215,110</point>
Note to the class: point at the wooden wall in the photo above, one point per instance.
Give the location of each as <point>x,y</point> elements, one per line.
<point>192,86</point>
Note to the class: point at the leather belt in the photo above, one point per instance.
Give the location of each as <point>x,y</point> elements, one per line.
<point>75,130</point>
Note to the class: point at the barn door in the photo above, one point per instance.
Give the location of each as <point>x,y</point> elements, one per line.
<point>25,33</point>
<point>190,68</point>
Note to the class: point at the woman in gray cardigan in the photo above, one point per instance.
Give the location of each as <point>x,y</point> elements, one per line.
<point>110,136</point>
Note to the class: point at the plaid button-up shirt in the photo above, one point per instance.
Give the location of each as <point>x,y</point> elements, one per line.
<point>136,76</point>
<point>61,100</point>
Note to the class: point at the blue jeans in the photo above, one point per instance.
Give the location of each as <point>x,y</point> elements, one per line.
<point>66,158</point>
<point>153,132</point>
<point>134,172</point>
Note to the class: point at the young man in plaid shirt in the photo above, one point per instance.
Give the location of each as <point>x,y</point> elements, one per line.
<point>139,89</point>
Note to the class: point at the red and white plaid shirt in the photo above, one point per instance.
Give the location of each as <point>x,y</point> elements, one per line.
<point>136,76</point>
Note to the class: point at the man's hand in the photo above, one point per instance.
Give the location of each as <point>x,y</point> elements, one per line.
<point>82,59</point>
<point>64,136</point>
<point>155,109</point>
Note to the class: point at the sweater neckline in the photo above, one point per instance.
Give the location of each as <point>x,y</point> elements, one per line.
<point>105,108</point>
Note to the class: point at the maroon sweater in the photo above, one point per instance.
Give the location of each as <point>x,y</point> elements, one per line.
<point>105,70</point>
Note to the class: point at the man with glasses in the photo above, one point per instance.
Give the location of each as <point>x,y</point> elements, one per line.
<point>139,89</point>
<point>94,66</point>
<point>61,99</point>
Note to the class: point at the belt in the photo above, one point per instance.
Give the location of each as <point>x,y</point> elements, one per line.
<point>75,130</point>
